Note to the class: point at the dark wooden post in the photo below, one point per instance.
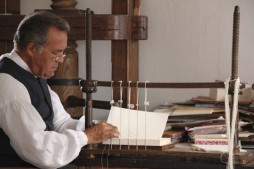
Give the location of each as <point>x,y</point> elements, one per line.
<point>69,69</point>
<point>63,4</point>
<point>125,53</point>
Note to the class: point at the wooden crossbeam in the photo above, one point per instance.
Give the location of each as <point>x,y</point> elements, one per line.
<point>105,27</point>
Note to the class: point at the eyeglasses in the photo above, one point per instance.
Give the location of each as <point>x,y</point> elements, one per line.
<point>55,57</point>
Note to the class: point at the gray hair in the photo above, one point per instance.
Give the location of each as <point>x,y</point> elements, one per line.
<point>34,28</point>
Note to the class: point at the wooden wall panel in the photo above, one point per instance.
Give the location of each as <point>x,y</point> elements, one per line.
<point>7,7</point>
<point>10,6</point>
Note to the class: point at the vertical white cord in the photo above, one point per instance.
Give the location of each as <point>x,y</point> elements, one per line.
<point>102,157</point>
<point>137,104</point>
<point>112,94</point>
<point>84,113</point>
<point>121,94</point>
<point>129,107</point>
<point>146,103</point>
<point>120,105</point>
<point>231,128</point>
<point>112,104</point>
<point>227,116</point>
<point>234,117</point>
<point>110,121</point>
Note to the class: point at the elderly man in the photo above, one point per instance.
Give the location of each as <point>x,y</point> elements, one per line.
<point>35,127</point>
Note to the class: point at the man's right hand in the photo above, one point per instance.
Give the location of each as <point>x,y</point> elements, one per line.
<point>100,132</point>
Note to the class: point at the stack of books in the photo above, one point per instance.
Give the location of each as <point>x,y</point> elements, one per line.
<point>211,139</point>
<point>190,114</point>
<point>202,121</point>
<point>203,117</point>
<point>210,143</point>
<point>219,142</point>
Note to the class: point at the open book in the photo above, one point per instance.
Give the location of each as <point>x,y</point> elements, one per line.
<point>138,127</point>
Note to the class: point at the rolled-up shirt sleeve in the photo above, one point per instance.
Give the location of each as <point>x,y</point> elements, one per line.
<point>26,129</point>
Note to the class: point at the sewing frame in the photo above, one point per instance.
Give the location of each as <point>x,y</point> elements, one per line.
<point>178,157</point>
<point>141,158</point>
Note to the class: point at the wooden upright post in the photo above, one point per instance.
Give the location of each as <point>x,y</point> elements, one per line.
<point>69,69</point>
<point>125,53</point>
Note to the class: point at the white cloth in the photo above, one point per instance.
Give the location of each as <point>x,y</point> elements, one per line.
<point>25,127</point>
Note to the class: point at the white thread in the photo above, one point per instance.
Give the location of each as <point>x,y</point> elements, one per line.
<point>146,103</point>
<point>129,102</point>
<point>231,128</point>
<point>120,105</point>
<point>108,155</point>
<point>227,115</point>
<point>137,104</point>
<point>129,105</point>
<point>120,101</point>
<point>102,157</point>
<point>111,103</point>
<point>110,121</point>
<point>112,94</point>
<point>221,158</point>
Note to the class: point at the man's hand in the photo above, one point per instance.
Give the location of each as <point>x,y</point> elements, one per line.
<point>100,132</point>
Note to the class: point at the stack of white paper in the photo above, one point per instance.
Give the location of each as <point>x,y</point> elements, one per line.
<point>138,127</point>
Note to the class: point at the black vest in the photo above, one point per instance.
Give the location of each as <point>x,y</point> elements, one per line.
<point>40,99</point>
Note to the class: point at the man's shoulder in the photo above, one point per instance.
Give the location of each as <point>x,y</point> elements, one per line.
<point>4,55</point>
<point>11,88</point>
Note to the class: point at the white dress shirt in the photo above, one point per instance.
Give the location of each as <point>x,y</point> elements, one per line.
<point>25,127</point>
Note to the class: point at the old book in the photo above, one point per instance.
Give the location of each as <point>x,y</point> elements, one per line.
<point>174,133</point>
<point>180,110</point>
<point>210,136</point>
<point>213,141</point>
<point>176,136</point>
<point>210,139</point>
<point>136,129</point>
<point>247,139</point>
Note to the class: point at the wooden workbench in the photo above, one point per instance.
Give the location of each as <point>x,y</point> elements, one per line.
<point>179,157</point>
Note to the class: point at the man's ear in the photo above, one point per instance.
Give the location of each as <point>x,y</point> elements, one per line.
<point>31,49</point>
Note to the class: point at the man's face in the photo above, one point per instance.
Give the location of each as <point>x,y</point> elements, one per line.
<point>46,62</point>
